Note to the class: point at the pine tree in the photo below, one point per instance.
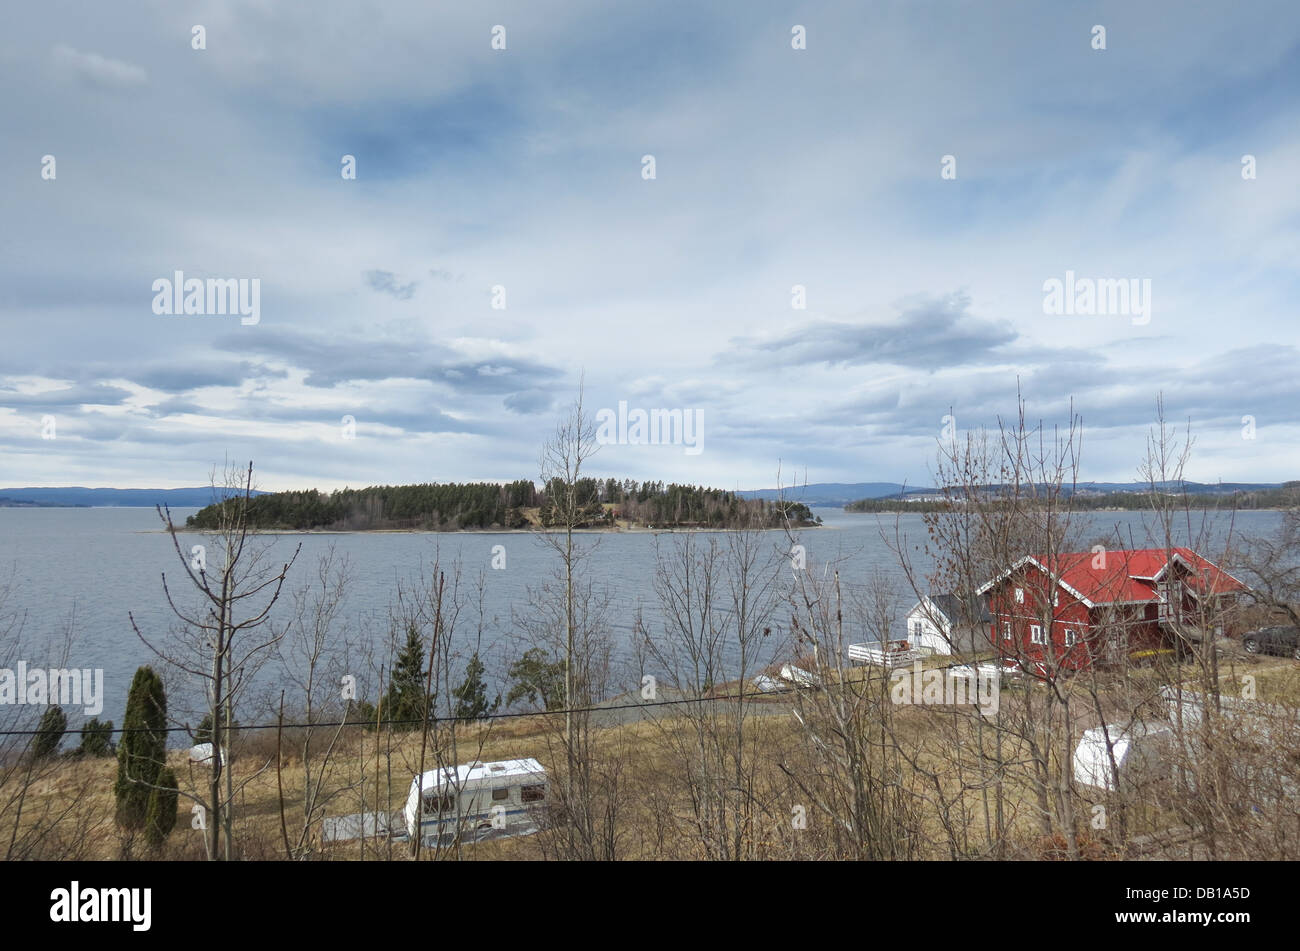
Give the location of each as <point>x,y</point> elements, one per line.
<point>471,695</point>
<point>406,699</point>
<point>536,677</point>
<point>142,752</point>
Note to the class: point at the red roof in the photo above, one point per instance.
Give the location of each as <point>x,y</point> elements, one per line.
<point>1130,576</point>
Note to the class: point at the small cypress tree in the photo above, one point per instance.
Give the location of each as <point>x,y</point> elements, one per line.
<point>142,752</point>
<point>160,815</point>
<point>49,733</point>
<point>96,738</point>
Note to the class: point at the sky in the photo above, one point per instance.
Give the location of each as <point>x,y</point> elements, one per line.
<point>921,170</point>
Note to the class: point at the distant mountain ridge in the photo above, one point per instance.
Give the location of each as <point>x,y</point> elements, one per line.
<point>832,493</point>
<point>842,493</point>
<point>80,497</point>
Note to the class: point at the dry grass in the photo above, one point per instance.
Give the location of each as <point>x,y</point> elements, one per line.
<point>947,771</point>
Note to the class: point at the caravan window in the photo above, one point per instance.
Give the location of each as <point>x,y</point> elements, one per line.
<point>435,803</point>
<point>499,794</point>
<point>532,793</point>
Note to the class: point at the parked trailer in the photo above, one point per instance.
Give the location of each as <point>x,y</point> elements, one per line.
<point>478,801</point>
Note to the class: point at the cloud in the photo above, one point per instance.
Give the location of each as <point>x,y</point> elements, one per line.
<point>775,167</point>
<point>331,360</point>
<point>96,70</point>
<point>386,282</point>
<point>97,394</point>
<point>179,378</point>
<point>529,402</point>
<point>929,333</point>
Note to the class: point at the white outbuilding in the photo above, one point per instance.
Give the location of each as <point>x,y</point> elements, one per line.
<point>1141,755</point>
<point>946,624</point>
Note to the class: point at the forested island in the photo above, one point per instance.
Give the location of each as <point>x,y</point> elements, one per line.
<point>1264,498</point>
<point>520,505</point>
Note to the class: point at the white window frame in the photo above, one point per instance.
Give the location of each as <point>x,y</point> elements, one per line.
<point>1036,634</point>
<point>1020,595</point>
<point>1006,630</point>
<point>1071,637</point>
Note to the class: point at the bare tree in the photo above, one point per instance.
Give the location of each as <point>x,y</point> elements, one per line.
<point>312,659</point>
<point>718,595</point>
<point>221,642</point>
<point>569,508</point>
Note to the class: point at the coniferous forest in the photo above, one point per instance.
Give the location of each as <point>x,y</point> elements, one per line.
<point>455,506</point>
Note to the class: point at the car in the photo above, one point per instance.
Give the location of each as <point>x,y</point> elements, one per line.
<point>1273,640</point>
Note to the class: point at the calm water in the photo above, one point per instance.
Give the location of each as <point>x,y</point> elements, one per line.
<point>90,567</point>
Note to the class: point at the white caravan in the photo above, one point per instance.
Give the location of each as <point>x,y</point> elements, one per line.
<point>478,800</point>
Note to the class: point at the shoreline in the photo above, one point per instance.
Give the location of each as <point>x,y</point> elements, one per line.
<point>182,530</point>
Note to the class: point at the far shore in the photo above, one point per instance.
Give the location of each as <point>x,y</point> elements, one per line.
<point>184,530</point>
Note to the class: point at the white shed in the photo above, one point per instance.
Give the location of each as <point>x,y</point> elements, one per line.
<point>1141,755</point>
<point>943,624</point>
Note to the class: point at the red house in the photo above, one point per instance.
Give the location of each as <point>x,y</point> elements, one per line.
<point>1082,607</point>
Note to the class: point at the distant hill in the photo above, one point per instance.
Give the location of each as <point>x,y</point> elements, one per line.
<point>80,497</point>
<point>832,493</point>
<point>1191,488</point>
<point>1117,495</point>
<point>8,503</point>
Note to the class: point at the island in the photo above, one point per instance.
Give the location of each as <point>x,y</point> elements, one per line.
<point>607,504</point>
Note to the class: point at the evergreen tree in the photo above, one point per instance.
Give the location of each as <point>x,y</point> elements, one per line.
<point>203,732</point>
<point>406,699</point>
<point>536,677</point>
<point>142,752</point>
<point>160,814</point>
<point>49,733</point>
<point>471,695</point>
<point>96,738</point>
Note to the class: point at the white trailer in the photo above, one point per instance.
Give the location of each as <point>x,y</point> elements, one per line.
<point>478,801</point>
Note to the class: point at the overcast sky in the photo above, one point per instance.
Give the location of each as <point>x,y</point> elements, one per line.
<point>523,168</point>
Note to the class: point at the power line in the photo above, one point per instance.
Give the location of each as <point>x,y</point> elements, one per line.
<point>434,720</point>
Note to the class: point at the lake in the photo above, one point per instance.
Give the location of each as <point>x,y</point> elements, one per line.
<point>88,568</point>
